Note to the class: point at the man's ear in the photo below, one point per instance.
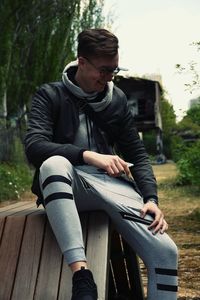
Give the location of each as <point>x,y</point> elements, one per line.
<point>81,61</point>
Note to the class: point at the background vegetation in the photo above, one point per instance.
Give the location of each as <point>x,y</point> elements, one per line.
<point>37,39</point>
<point>181,142</point>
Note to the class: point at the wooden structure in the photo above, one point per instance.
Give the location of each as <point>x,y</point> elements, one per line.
<point>143,97</point>
<point>32,266</point>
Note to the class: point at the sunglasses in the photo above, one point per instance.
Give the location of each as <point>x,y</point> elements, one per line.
<point>104,70</point>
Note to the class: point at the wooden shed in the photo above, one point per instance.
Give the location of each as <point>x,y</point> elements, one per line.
<point>144,101</point>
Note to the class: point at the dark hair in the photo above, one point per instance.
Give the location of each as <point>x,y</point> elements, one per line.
<point>97,43</point>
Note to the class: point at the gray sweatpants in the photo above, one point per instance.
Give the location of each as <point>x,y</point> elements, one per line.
<point>68,190</point>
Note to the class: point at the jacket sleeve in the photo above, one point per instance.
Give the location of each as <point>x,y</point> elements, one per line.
<point>132,149</point>
<point>39,139</point>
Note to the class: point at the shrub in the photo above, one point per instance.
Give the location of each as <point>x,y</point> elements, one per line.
<point>189,165</point>
<point>179,147</point>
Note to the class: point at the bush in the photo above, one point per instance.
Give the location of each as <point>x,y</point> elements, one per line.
<point>179,147</point>
<point>14,180</point>
<point>189,165</point>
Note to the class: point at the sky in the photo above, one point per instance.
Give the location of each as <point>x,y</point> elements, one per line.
<point>154,36</point>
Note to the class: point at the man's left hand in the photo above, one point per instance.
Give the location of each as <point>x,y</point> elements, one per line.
<point>159,223</point>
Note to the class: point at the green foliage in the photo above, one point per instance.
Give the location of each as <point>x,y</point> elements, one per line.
<point>187,130</point>
<point>189,165</point>
<point>37,38</point>
<point>190,124</point>
<point>194,114</point>
<point>178,147</point>
<point>191,68</point>
<point>187,154</point>
<point>168,123</point>
<point>88,14</point>
<point>168,116</point>
<point>186,148</point>
<point>14,180</point>
<point>187,124</point>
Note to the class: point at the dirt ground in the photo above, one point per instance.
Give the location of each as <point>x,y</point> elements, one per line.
<point>182,211</point>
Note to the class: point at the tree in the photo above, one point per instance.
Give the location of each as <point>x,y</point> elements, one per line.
<point>193,68</point>
<point>194,113</point>
<point>187,149</point>
<point>87,15</point>
<point>188,166</point>
<point>168,115</point>
<point>26,35</point>
<point>37,38</point>
<point>188,129</point>
<point>168,123</point>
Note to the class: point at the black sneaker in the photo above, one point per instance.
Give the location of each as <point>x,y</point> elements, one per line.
<point>84,287</point>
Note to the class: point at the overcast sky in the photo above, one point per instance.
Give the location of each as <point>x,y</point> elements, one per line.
<point>154,36</point>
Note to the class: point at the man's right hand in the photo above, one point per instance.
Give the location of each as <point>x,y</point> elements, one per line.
<point>112,164</point>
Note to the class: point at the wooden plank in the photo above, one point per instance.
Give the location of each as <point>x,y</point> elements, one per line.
<point>97,255</point>
<point>2,222</point>
<point>112,291</point>
<point>65,289</point>
<point>14,205</point>
<point>18,210</point>
<point>118,265</point>
<point>50,268</point>
<point>96,240</point>
<point>37,211</point>
<point>9,253</point>
<point>29,259</point>
<point>29,209</point>
<point>134,273</point>
<point>34,265</point>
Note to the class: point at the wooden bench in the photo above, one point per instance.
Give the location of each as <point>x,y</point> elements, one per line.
<point>32,266</point>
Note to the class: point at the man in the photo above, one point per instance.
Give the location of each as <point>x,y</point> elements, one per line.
<point>76,127</point>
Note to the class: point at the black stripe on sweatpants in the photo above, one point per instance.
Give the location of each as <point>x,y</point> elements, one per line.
<point>167,287</point>
<point>56,178</point>
<point>56,196</point>
<point>135,218</point>
<point>162,271</point>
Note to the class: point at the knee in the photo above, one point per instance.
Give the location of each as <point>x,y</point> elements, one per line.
<point>169,251</point>
<point>55,165</point>
<point>173,251</point>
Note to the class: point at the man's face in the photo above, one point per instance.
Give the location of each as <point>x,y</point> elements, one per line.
<point>96,72</point>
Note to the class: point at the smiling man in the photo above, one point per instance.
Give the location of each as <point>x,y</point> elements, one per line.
<point>76,127</point>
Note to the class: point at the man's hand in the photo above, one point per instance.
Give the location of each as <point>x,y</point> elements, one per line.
<point>112,164</point>
<point>159,223</point>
